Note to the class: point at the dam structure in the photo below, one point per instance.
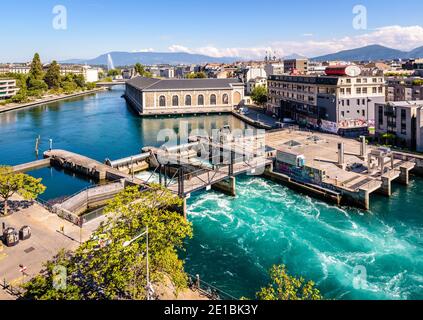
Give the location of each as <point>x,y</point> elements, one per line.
<point>338,170</point>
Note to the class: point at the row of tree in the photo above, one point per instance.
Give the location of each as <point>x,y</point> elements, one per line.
<point>37,82</point>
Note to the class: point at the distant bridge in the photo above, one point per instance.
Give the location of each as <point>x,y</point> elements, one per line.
<point>111,84</point>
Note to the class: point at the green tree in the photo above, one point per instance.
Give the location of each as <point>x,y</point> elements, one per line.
<point>286,287</point>
<point>259,95</point>
<point>196,75</point>
<point>25,185</point>
<point>105,268</point>
<point>36,85</point>
<point>36,71</point>
<point>140,69</point>
<point>68,83</point>
<point>113,72</point>
<point>79,80</point>
<point>52,77</point>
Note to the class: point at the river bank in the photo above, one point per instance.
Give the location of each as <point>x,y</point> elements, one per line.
<point>48,99</point>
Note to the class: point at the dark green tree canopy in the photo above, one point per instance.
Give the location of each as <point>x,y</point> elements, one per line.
<point>286,287</point>
<point>52,77</point>
<point>259,95</point>
<point>11,183</point>
<point>105,268</point>
<point>36,71</point>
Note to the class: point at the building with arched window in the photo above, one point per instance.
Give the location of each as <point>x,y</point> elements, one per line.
<point>149,96</point>
<point>225,98</point>
<point>175,101</point>
<point>213,99</point>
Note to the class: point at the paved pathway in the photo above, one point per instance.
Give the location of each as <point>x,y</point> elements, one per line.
<point>45,242</point>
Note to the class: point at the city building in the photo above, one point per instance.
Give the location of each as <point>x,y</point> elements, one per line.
<point>167,72</point>
<point>183,71</point>
<point>274,68</point>
<point>403,119</point>
<point>150,96</point>
<point>400,89</point>
<point>253,83</point>
<point>252,77</point>
<point>128,73</point>
<point>296,66</point>
<point>316,68</point>
<point>89,73</point>
<point>8,88</point>
<point>21,68</point>
<point>342,101</point>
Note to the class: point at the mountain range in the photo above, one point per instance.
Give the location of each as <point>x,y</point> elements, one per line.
<point>151,58</point>
<point>373,53</point>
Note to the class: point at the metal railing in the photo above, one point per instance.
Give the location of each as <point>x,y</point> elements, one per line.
<point>207,289</point>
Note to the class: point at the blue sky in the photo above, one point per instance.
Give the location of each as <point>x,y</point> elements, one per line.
<point>230,27</point>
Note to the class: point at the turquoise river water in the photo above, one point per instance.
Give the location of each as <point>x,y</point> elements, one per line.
<point>349,253</point>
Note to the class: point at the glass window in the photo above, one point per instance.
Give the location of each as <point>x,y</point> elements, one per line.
<point>213,99</point>
<point>175,101</point>
<point>187,100</point>
<point>225,99</point>
<point>162,101</point>
<point>201,100</point>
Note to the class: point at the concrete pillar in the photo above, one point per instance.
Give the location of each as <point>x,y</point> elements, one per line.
<point>341,155</point>
<point>404,177</point>
<point>227,186</point>
<point>232,186</point>
<point>381,163</point>
<point>364,199</point>
<point>386,186</point>
<point>363,147</point>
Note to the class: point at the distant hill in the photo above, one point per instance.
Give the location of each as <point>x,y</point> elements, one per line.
<point>416,53</point>
<point>373,52</point>
<point>151,58</point>
<point>294,56</point>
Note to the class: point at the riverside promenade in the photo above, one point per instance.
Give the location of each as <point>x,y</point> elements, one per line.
<point>48,99</point>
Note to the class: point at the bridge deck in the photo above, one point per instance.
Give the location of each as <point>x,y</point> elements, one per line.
<point>196,182</point>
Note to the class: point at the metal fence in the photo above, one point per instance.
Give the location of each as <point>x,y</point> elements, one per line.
<point>207,289</point>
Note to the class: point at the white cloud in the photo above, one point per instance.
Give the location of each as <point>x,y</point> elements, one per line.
<point>397,37</point>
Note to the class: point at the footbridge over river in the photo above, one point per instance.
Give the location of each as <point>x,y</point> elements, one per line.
<point>198,165</point>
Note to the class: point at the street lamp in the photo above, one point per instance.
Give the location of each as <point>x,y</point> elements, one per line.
<point>127,244</point>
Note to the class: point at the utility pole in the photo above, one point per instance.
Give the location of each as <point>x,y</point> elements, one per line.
<point>148,270</point>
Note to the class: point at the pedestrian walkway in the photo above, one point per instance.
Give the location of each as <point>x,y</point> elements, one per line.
<point>46,241</point>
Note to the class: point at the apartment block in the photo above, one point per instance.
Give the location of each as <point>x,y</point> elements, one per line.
<point>8,88</point>
<point>403,119</point>
<point>296,66</point>
<point>337,103</point>
<point>399,89</point>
